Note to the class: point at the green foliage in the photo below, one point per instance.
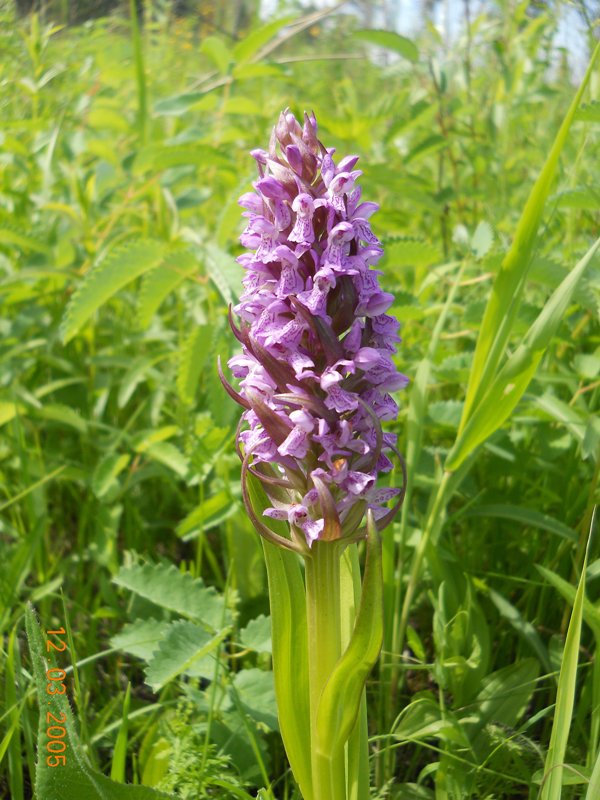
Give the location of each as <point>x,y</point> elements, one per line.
<point>76,777</point>
<point>122,153</point>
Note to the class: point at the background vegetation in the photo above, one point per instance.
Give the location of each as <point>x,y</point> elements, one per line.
<point>123,149</point>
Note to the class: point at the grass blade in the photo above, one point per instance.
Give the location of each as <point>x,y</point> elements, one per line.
<point>504,300</point>
<point>565,696</point>
<point>508,387</point>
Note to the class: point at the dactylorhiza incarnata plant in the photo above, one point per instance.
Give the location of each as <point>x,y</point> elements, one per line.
<point>315,373</point>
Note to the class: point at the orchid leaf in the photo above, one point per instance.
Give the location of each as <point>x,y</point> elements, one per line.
<point>340,702</point>
<point>290,638</point>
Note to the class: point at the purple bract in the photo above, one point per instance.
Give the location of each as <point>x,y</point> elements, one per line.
<point>316,368</point>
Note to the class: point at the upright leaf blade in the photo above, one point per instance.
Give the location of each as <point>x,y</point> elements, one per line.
<point>290,649</point>
<point>506,293</point>
<point>508,387</point>
<point>565,695</point>
<point>341,698</point>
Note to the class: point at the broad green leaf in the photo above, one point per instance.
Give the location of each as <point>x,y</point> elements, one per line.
<point>423,719</point>
<point>257,635</point>
<point>390,41</point>
<point>121,266</point>
<point>504,300</point>
<point>565,695</point>
<point>76,778</point>
<point>141,638</point>
<point>504,697</point>
<point>256,692</point>
<point>183,648</point>
<point>167,587</point>
<point>507,388</point>
<point>251,44</point>
<point>340,700</point>
<point>218,51</point>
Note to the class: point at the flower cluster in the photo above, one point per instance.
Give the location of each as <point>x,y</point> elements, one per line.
<point>316,368</point>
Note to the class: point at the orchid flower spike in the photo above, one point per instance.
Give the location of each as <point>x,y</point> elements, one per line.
<point>316,370</point>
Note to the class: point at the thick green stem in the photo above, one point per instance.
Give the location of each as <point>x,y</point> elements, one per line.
<point>324,649</point>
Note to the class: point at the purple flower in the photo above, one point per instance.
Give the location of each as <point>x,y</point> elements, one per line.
<point>316,368</point>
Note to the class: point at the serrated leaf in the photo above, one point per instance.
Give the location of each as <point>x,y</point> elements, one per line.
<point>141,638</point>
<point>132,378</point>
<point>165,586</point>
<point>9,235</point>
<point>106,472</point>
<point>224,271</point>
<point>256,693</point>
<point>446,412</point>
<point>193,357</point>
<point>257,635</point>
<point>183,647</point>
<point>390,41</point>
<point>76,777</point>
<point>157,284</point>
<point>410,252</point>
<point>169,455</point>
<point>121,266</point>
<point>65,415</point>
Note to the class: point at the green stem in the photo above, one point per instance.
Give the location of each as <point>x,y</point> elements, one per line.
<point>357,751</point>
<point>434,522</point>
<point>324,649</point>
